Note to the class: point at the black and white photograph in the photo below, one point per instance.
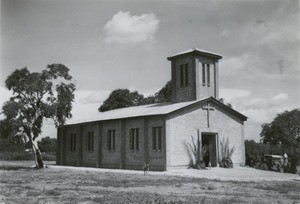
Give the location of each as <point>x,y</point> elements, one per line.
<point>150,101</point>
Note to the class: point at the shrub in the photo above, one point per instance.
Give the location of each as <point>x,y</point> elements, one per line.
<point>196,152</point>
<point>18,155</point>
<point>255,151</point>
<point>225,154</point>
<point>51,156</point>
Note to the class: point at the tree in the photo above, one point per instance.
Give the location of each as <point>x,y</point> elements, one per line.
<point>255,151</point>
<point>222,100</point>
<point>284,130</point>
<point>47,145</point>
<point>38,96</point>
<point>122,98</point>
<point>164,94</point>
<point>10,140</point>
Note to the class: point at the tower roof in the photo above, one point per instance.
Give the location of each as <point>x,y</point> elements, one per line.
<point>195,51</point>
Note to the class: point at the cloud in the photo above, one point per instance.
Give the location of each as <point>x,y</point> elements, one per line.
<point>125,28</point>
<point>234,65</point>
<point>281,96</point>
<point>231,93</point>
<point>89,96</point>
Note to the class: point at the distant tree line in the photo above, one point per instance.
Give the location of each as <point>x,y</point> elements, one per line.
<point>255,151</point>
<point>122,98</point>
<point>280,136</point>
<point>14,146</point>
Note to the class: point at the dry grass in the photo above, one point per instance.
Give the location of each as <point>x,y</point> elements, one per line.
<point>27,185</point>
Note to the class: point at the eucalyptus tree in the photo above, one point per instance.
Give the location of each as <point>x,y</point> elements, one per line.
<point>38,96</point>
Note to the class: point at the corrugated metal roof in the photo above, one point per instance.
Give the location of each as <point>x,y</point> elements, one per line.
<point>135,111</point>
<point>147,110</point>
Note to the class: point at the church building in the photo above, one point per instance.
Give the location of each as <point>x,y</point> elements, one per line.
<point>157,134</point>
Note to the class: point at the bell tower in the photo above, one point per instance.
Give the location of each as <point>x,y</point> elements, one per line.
<point>195,75</point>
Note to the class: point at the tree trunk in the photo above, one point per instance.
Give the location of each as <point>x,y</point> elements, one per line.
<point>36,153</point>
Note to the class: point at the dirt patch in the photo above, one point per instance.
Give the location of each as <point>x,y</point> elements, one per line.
<point>71,185</point>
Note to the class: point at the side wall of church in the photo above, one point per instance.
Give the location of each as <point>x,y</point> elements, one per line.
<point>120,157</point>
<point>185,124</point>
<point>111,158</point>
<point>71,156</point>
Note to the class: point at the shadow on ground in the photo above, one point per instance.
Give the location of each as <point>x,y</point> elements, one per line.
<point>16,168</point>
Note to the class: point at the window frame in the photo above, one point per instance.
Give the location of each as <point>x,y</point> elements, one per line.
<point>157,136</point>
<point>208,74</point>
<point>184,75</point>
<point>90,141</point>
<point>203,74</point>
<point>134,139</point>
<point>73,142</point>
<point>111,140</point>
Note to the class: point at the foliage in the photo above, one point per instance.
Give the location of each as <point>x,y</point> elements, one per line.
<point>38,96</point>
<point>16,155</point>
<point>164,94</point>
<point>122,98</point>
<point>256,150</point>
<point>285,130</point>
<point>225,154</point>
<point>196,153</point>
<point>51,156</point>
<point>222,100</point>
<point>47,145</point>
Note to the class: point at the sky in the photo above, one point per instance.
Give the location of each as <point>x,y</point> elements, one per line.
<point>125,44</point>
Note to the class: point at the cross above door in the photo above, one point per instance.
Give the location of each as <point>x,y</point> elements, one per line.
<point>208,108</point>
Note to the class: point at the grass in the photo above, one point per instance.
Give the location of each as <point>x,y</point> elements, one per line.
<point>25,185</point>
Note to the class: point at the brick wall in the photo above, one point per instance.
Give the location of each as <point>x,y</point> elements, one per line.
<point>157,158</point>
<point>89,157</point>
<point>111,158</point>
<point>122,156</point>
<point>177,129</point>
<point>184,93</point>
<point>184,124</point>
<point>134,159</point>
<point>71,156</point>
<point>196,89</point>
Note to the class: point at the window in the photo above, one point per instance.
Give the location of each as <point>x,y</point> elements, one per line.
<point>184,77</point>
<point>208,74</point>
<point>73,143</point>
<point>90,141</point>
<point>111,139</point>
<point>156,138</point>
<point>203,74</point>
<point>134,139</point>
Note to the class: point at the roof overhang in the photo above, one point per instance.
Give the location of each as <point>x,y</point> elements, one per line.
<point>195,51</point>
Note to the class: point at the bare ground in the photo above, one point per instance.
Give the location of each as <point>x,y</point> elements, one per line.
<point>21,184</point>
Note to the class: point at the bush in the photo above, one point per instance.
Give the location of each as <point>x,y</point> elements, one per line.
<point>51,156</point>
<point>47,145</point>
<point>225,154</point>
<point>255,151</point>
<point>226,163</point>
<point>196,152</point>
<point>18,155</point>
